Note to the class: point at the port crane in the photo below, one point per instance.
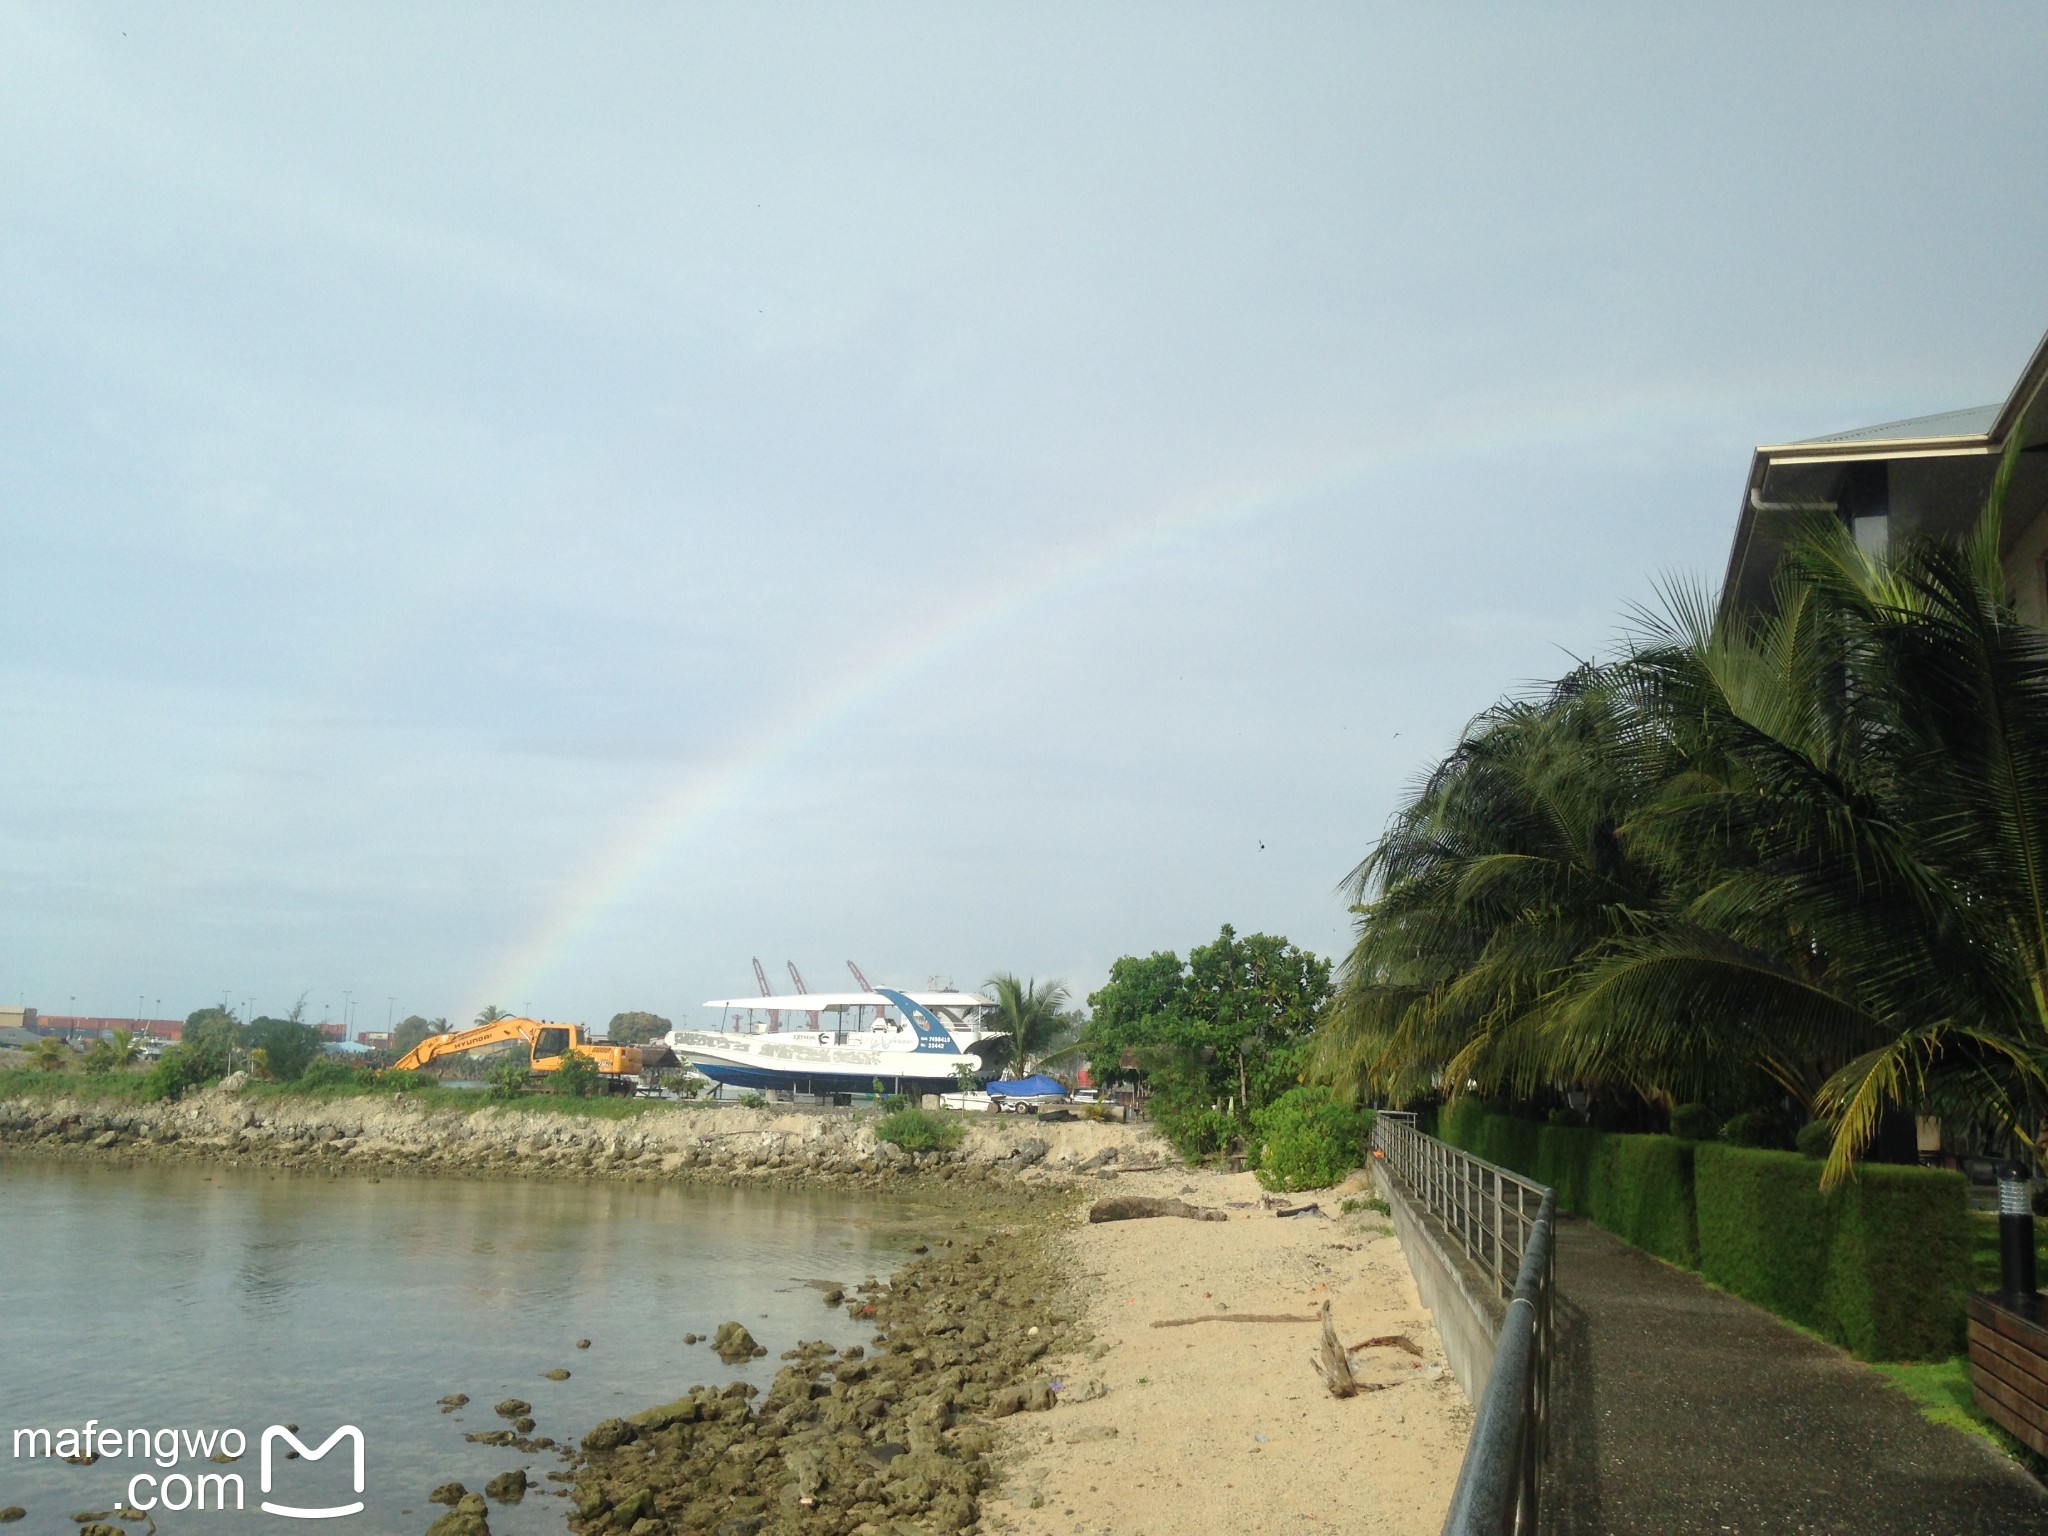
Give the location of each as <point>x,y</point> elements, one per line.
<point>774,1014</point>
<point>797,976</point>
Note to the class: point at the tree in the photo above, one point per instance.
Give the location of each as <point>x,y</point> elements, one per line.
<point>50,1054</point>
<point>288,1046</point>
<point>637,1028</point>
<point>211,1044</point>
<point>490,1013</point>
<point>1036,1019</point>
<point>111,1052</point>
<point>1218,1038</point>
<point>1795,854</point>
<point>412,1029</point>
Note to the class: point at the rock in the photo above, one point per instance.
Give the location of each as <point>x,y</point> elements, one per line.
<point>468,1518</point>
<point>507,1487</point>
<point>453,1401</point>
<point>1090,1164</point>
<point>12,1513</point>
<point>512,1408</point>
<point>450,1494</point>
<point>583,1343</point>
<point>524,1424</point>
<point>1137,1207</point>
<point>106,1139</point>
<point>609,1435</point>
<point>733,1343</point>
<point>557,1374</point>
<point>1084,1392</point>
<point>234,1082</point>
<point>1028,1153</point>
<point>100,1528</point>
<point>834,1296</point>
<point>1082,1434</point>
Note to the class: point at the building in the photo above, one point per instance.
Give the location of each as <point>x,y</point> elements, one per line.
<point>15,1016</point>
<point>1930,475</point>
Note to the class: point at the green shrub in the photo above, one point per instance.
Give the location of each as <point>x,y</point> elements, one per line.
<point>919,1130</point>
<point>508,1078</point>
<point>1509,1142</point>
<point>1814,1139</point>
<point>1564,1161</point>
<point>1693,1122</point>
<point>1308,1139</point>
<point>330,1073</point>
<point>577,1076</point>
<point>1753,1128</point>
<point>1459,1122</point>
<point>171,1074</point>
<point>753,1098</point>
<point>1879,1266</point>
<point>1640,1189</point>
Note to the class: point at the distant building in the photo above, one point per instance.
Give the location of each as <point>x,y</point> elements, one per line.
<point>17,1017</point>
<point>1927,475</point>
<point>78,1026</point>
<point>375,1039</point>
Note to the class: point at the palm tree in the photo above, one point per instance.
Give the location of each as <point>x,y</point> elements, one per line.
<point>1036,1019</point>
<point>1805,852</point>
<point>490,1013</point>
<point>50,1054</point>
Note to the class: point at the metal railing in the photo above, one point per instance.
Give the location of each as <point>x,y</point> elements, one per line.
<point>1503,1222</point>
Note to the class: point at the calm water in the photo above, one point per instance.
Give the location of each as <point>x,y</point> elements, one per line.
<point>201,1300</point>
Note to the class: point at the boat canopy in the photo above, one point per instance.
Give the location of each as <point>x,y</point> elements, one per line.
<point>1037,1086</point>
<point>841,1002</point>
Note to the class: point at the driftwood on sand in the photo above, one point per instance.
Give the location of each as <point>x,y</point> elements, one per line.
<point>1136,1207</point>
<point>1332,1363</point>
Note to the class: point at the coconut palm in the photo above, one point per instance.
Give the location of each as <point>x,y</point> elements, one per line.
<point>1806,850</point>
<point>1036,1019</point>
<point>490,1013</point>
<point>50,1054</point>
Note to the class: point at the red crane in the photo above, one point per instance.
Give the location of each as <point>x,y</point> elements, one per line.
<point>774,1014</point>
<point>797,976</point>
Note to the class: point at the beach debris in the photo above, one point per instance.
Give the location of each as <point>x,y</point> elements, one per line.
<point>733,1344</point>
<point>1310,1209</point>
<point>1138,1207</point>
<point>507,1487</point>
<point>1332,1363</point>
<point>1389,1341</point>
<point>557,1374</point>
<point>1236,1317</point>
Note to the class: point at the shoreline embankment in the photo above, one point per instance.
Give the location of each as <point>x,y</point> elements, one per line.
<point>687,1143</point>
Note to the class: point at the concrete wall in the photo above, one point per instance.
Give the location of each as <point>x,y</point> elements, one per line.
<point>1462,1301</point>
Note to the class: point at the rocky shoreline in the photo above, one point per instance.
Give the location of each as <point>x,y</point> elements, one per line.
<point>892,1437</point>
<point>724,1144</point>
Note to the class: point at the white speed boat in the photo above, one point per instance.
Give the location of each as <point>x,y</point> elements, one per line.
<point>843,1042</point>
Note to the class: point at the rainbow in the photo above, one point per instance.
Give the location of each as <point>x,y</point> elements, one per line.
<point>651,838</point>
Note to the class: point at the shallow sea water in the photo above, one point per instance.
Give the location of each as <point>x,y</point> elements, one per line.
<point>203,1299</point>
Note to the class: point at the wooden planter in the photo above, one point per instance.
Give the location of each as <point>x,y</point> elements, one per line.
<point>2009,1370</point>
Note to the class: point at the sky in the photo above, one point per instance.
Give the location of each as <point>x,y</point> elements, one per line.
<point>540,505</point>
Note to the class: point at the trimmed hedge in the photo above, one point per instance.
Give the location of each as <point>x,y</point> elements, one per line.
<point>1641,1190</point>
<point>1879,1266</point>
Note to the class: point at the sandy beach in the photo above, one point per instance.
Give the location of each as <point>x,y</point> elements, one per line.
<point>1225,1426</point>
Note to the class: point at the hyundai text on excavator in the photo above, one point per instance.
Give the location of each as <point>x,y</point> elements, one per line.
<point>548,1045</point>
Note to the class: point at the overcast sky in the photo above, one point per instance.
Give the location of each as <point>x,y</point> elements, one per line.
<point>539,505</point>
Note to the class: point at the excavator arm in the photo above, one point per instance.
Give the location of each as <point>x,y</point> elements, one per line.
<point>434,1047</point>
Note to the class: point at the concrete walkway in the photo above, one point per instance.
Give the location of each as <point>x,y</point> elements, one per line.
<point>1679,1409</point>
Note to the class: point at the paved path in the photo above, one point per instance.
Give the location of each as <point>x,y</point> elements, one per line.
<point>1680,1409</point>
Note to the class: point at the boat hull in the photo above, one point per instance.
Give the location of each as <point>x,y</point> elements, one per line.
<point>793,1061</point>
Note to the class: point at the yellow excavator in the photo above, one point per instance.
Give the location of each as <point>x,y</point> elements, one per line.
<point>547,1047</point>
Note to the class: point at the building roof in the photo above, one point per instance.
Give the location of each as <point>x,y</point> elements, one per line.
<point>1819,474</point>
